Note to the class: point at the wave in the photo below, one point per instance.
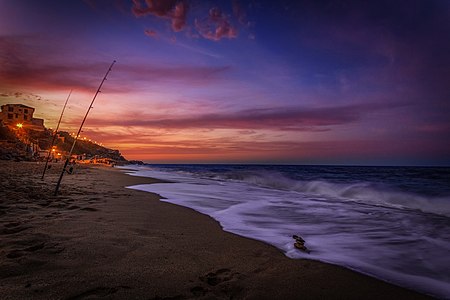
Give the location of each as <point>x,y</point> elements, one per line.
<point>348,189</point>
<point>349,223</point>
<point>361,192</point>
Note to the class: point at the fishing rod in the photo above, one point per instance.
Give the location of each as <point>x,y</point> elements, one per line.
<point>54,136</point>
<point>81,126</point>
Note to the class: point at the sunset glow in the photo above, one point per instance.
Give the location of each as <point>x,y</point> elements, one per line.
<point>301,82</point>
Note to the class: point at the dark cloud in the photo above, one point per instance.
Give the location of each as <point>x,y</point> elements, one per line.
<point>25,96</point>
<point>216,26</point>
<point>239,13</point>
<point>179,16</point>
<point>175,10</point>
<point>296,119</point>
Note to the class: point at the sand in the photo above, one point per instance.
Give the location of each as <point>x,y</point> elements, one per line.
<point>99,240</point>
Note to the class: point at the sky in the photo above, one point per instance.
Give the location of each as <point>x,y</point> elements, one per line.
<point>234,81</point>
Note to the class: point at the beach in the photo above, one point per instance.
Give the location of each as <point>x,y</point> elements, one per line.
<point>100,240</point>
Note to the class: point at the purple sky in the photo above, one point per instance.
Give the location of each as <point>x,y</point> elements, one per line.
<point>304,82</point>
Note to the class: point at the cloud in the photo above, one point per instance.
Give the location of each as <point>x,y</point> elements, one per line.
<point>151,33</point>
<point>22,96</point>
<point>36,67</point>
<point>216,26</point>
<point>155,72</point>
<point>175,10</point>
<point>137,77</point>
<point>239,13</point>
<point>29,62</point>
<point>287,119</point>
<point>179,16</point>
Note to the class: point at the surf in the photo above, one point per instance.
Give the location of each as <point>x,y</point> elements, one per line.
<point>398,236</point>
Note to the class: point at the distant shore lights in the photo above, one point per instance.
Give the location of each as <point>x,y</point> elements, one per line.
<point>85,138</point>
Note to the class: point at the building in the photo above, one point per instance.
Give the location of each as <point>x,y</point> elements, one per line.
<point>13,114</point>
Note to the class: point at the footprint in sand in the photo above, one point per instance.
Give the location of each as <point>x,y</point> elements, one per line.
<point>38,243</point>
<point>14,229</point>
<point>35,247</point>
<point>99,292</point>
<point>73,207</point>
<point>53,248</point>
<point>222,284</point>
<point>45,203</point>
<point>220,276</point>
<point>12,224</point>
<point>15,254</point>
<point>199,291</point>
<point>89,209</point>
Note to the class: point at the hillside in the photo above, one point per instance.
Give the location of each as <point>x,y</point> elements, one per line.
<point>88,148</point>
<point>21,145</point>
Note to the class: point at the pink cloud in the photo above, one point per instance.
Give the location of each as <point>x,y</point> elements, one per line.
<point>287,119</point>
<point>239,13</point>
<point>179,16</point>
<point>216,26</point>
<point>151,33</point>
<point>174,10</point>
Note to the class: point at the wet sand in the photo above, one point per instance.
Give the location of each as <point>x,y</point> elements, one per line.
<point>99,240</point>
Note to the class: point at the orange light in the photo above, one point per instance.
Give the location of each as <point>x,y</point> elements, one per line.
<point>19,125</point>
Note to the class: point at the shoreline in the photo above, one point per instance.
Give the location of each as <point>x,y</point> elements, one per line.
<point>100,239</point>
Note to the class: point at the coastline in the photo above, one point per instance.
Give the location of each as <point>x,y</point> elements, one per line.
<point>99,239</point>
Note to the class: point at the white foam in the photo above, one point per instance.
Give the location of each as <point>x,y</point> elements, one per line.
<point>341,224</point>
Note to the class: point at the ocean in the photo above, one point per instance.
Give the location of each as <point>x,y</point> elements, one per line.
<point>392,223</point>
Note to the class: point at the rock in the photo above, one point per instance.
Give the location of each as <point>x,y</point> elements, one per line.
<point>301,247</point>
<point>300,244</point>
<point>298,238</point>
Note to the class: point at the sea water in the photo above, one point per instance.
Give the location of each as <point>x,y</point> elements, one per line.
<point>392,223</point>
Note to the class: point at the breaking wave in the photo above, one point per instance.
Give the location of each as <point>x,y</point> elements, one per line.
<point>361,192</point>
<point>381,223</point>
